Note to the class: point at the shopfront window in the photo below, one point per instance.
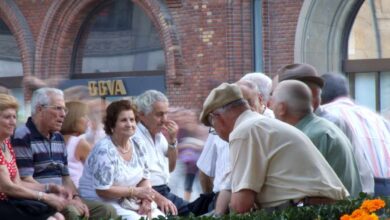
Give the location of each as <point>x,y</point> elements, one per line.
<point>118,37</point>
<point>367,64</point>
<point>10,62</point>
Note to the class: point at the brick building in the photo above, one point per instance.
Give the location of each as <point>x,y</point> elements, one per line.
<point>185,47</point>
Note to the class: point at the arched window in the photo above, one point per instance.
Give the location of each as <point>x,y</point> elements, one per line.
<point>118,39</point>
<point>10,62</point>
<point>368,55</point>
<point>11,70</point>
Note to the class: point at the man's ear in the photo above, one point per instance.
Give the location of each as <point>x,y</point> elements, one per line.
<point>141,116</point>
<point>282,109</point>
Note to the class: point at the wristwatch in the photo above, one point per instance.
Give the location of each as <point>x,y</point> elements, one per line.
<point>174,145</point>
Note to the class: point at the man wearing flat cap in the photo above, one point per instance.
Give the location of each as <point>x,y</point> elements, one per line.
<point>273,165</point>
<point>307,74</point>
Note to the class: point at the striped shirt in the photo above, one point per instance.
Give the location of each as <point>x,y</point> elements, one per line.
<point>37,156</point>
<point>369,132</point>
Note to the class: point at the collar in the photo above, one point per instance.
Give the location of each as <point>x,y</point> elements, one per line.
<point>34,130</point>
<point>244,115</point>
<point>304,121</point>
<point>145,131</point>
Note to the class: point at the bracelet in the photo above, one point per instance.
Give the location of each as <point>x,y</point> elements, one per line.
<point>47,188</point>
<point>39,196</point>
<point>131,191</point>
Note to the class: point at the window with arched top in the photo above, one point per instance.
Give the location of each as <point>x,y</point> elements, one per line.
<point>368,55</point>
<point>11,69</point>
<point>10,61</point>
<point>118,39</point>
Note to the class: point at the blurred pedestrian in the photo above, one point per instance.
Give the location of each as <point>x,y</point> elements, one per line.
<point>77,148</point>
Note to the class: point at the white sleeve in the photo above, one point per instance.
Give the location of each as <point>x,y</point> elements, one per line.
<point>207,160</point>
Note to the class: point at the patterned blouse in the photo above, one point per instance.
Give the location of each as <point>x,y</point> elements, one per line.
<point>11,165</point>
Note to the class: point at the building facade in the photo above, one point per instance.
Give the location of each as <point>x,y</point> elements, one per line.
<point>184,48</point>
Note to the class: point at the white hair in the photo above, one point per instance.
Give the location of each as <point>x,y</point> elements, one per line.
<point>262,82</point>
<point>145,101</point>
<point>296,95</point>
<point>42,96</point>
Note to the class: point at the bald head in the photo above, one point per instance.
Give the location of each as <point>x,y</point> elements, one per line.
<point>291,98</point>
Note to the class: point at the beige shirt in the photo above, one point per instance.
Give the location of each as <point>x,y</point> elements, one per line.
<point>278,162</point>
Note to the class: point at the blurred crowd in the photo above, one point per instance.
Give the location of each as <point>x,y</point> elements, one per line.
<point>298,139</point>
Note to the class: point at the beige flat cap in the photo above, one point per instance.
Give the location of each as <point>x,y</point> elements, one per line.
<point>219,97</point>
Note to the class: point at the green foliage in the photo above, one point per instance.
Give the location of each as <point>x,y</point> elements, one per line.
<point>320,212</point>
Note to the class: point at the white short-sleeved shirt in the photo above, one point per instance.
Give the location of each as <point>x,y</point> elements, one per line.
<point>155,154</point>
<point>214,160</point>
<point>278,162</point>
<point>105,167</point>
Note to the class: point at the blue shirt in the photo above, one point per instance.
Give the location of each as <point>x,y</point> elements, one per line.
<point>37,156</point>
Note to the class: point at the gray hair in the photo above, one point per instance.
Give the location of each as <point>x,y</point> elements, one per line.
<point>145,101</point>
<point>296,95</point>
<point>335,85</point>
<point>42,96</point>
<point>262,82</point>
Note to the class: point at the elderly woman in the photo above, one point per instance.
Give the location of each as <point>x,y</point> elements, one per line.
<point>115,170</point>
<point>18,199</point>
<point>75,124</point>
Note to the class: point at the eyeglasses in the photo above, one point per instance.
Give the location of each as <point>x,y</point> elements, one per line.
<point>212,131</point>
<point>57,108</point>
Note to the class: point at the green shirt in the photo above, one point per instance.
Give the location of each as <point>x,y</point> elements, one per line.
<point>336,149</point>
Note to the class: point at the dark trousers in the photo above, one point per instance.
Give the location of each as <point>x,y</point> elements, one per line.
<point>14,209</point>
<point>181,205</point>
<point>203,204</point>
<point>382,187</point>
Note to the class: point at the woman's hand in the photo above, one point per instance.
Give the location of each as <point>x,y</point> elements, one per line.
<point>165,205</point>
<point>144,192</point>
<point>55,201</point>
<point>145,208</point>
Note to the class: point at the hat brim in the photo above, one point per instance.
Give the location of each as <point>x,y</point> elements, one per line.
<point>317,80</point>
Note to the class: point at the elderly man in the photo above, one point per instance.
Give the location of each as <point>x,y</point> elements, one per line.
<point>291,102</point>
<point>369,132</point>
<point>309,75</point>
<point>263,87</point>
<point>214,160</point>
<point>161,152</point>
<point>272,164</point>
<point>41,154</point>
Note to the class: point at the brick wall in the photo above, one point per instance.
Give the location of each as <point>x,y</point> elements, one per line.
<point>215,39</point>
<point>206,41</point>
<point>280,19</point>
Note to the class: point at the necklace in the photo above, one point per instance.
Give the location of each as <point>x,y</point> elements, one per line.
<point>120,149</point>
<point>123,151</point>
